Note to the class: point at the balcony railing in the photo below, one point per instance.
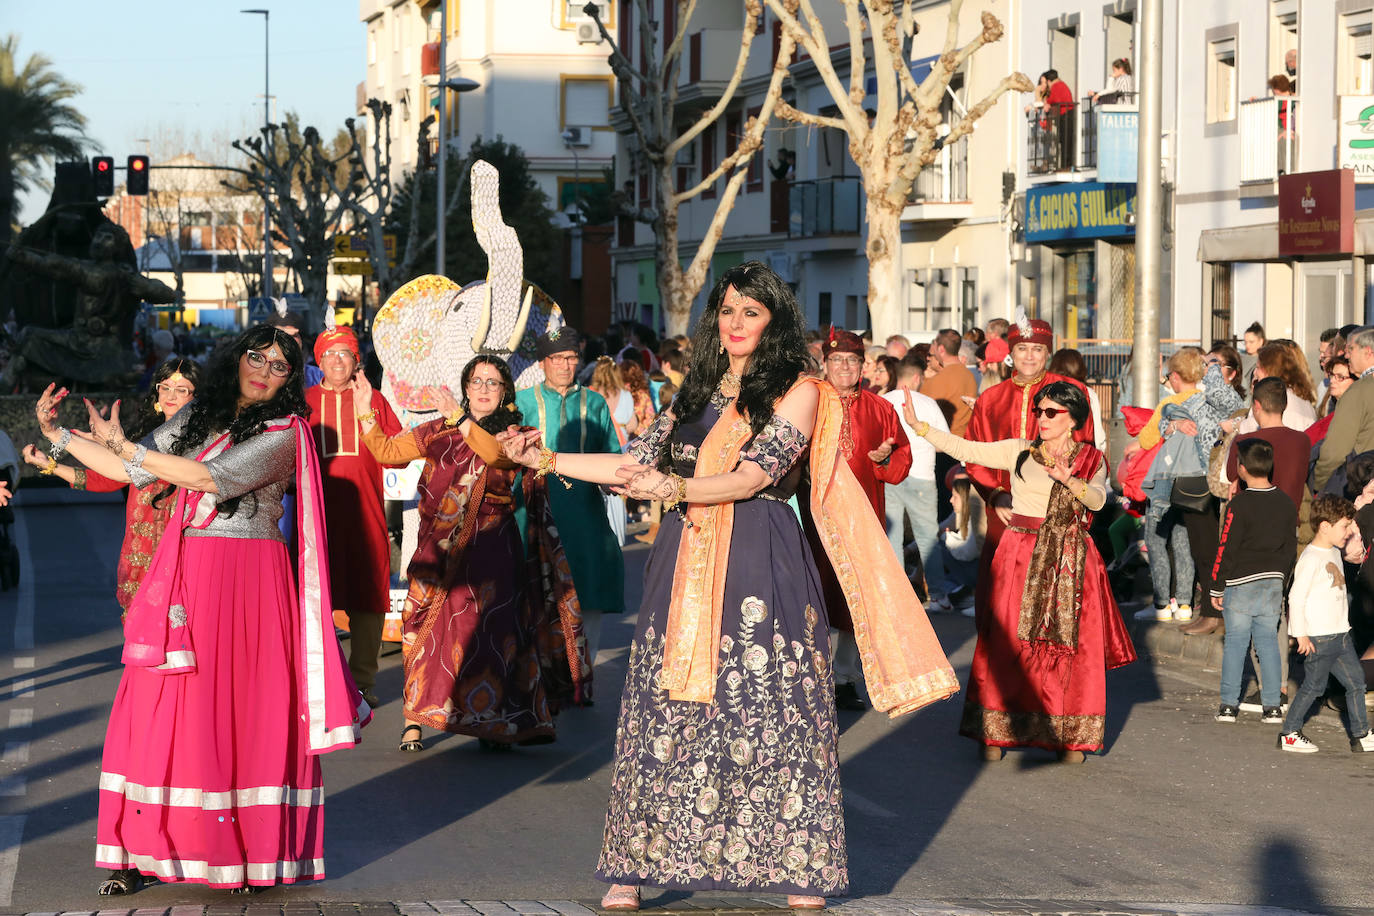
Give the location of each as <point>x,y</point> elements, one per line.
<point>825,206</point>
<point>1067,141</point>
<point>946,179</point>
<point>1268,138</point>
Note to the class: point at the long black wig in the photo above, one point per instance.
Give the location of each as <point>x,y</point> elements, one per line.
<point>775,364</point>
<point>1071,398</point>
<point>505,414</point>
<point>216,405</point>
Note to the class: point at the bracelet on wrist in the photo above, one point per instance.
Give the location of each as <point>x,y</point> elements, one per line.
<point>364,417</point>
<point>60,446</point>
<point>47,470</point>
<point>679,492</point>
<point>548,460</point>
<point>79,479</point>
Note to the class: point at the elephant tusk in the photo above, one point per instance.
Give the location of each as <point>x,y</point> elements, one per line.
<point>521,320</point>
<point>479,337</point>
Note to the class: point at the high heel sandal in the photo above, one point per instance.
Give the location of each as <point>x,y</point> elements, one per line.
<point>412,745</point>
<point>805,902</point>
<point>624,897</point>
<point>120,882</point>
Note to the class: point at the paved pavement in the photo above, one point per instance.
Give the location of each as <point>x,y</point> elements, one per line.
<point>1178,815</point>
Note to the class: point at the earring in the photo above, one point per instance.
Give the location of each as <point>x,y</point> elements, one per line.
<point>157,408</point>
<point>722,347</point>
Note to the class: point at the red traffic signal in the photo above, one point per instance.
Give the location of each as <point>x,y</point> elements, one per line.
<point>137,178</point>
<point>102,170</point>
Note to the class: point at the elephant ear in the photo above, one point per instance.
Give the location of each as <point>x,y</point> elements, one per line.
<point>414,333</point>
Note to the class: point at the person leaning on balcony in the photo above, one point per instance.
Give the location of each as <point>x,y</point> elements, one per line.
<point>1052,94</point>
<point>1281,87</point>
<point>1123,84</point>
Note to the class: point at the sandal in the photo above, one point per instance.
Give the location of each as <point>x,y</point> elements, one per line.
<point>121,881</point>
<point>621,897</point>
<point>247,889</point>
<point>412,745</point>
<point>803,902</point>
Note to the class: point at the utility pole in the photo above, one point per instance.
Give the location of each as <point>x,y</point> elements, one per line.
<point>1149,217</point>
<point>443,140</point>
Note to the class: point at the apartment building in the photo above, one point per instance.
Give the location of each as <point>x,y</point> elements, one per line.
<point>543,82</point>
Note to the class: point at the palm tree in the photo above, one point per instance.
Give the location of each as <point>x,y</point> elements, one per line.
<point>37,125</point>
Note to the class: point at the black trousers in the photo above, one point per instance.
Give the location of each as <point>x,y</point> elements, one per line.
<point>1203,540</point>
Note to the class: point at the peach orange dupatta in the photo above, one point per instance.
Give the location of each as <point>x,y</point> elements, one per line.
<point>903,663</point>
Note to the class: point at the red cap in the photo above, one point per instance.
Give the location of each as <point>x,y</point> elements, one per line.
<point>954,474</point>
<point>1035,331</point>
<point>841,341</point>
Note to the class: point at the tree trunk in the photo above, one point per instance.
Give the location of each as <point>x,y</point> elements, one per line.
<point>885,283</point>
<point>677,308</point>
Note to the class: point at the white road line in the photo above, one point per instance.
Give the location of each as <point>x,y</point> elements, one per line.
<point>13,786</point>
<point>11,832</point>
<point>23,615</point>
<point>16,752</point>
<point>25,662</point>
<point>21,718</point>
<point>865,806</point>
<point>23,687</point>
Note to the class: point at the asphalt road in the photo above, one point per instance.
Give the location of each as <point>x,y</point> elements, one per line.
<point>1178,809</point>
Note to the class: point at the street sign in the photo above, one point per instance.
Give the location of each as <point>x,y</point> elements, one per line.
<point>260,308</point>
<point>355,268</point>
<point>355,246</point>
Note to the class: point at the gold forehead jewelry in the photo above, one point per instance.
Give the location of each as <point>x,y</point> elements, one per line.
<point>176,377</point>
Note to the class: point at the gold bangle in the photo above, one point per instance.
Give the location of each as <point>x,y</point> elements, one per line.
<point>548,464</point>
<point>922,429</point>
<point>52,466</point>
<point>364,417</point>
<point>679,492</point>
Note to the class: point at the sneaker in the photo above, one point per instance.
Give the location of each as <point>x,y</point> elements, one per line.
<point>1253,703</point>
<point>1226,713</point>
<point>1272,715</point>
<point>1363,745</point>
<point>939,604</point>
<point>1155,613</point>
<point>1297,743</point>
<point>1183,612</point>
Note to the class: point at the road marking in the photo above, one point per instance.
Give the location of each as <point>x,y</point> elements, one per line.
<point>865,805</point>
<point>21,718</point>
<point>25,662</point>
<point>16,752</point>
<point>23,687</point>
<point>11,831</point>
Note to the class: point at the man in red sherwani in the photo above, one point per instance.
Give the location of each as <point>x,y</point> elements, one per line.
<point>1004,412</point>
<point>359,550</point>
<point>876,449</point>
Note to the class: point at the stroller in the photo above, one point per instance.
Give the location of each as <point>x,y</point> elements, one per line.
<point>9,551</point>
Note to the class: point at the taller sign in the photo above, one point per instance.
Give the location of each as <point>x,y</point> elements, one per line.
<point>1317,213</point>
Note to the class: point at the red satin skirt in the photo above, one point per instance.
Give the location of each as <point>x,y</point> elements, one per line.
<point>1017,697</point>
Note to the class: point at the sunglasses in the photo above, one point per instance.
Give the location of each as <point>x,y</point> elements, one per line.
<point>1049,413</point>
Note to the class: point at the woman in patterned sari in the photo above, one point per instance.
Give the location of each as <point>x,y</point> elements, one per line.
<point>492,631</point>
<point>726,771</point>
<point>1039,670</point>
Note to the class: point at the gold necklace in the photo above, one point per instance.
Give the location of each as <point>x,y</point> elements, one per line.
<point>729,384</point>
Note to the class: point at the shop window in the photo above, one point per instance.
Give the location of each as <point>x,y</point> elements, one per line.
<point>1222,304</point>
<point>1355,53</point>
<point>1221,80</point>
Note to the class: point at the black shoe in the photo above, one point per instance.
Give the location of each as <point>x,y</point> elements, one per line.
<point>1227,713</point>
<point>1272,715</point>
<point>370,699</point>
<point>847,698</point>
<point>1253,703</point>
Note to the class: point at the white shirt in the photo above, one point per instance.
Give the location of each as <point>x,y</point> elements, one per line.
<point>927,411</point>
<point>1299,414</point>
<point>1317,601</point>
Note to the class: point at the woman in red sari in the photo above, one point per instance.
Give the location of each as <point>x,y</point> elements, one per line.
<point>1039,670</point>
<point>146,511</point>
<point>492,631</point>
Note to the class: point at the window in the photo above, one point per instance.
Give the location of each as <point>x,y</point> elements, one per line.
<point>1221,301</point>
<point>1120,29</point>
<point>570,12</point>
<point>708,160</point>
<point>968,298</point>
<point>1283,35</point>
<point>851,312</point>
<point>1354,71</point>
<point>1064,49</point>
<point>372,44</point>
<point>587,101</point>
<point>454,17</point>
<point>1221,80</point>
<point>938,297</point>
<point>823,313</point>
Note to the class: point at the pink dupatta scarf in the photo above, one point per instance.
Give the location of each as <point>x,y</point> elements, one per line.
<point>157,633</point>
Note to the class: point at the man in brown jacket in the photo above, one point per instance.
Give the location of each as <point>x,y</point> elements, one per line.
<point>1352,426</point>
<point>952,383</point>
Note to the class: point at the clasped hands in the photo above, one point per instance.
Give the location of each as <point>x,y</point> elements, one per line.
<point>637,481</point>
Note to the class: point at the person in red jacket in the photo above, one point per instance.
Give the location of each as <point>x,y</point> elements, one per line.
<point>1004,412</point>
<point>877,450</point>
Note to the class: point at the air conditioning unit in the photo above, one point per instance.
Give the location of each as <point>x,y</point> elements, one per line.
<point>588,33</point>
<point>577,136</point>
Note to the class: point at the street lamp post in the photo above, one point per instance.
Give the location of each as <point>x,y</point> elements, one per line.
<point>456,84</point>
<point>266,121</point>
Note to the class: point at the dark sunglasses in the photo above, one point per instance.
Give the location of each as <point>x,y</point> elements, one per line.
<point>1049,413</point>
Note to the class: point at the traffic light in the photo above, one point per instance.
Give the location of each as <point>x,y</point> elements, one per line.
<point>102,170</point>
<point>137,180</point>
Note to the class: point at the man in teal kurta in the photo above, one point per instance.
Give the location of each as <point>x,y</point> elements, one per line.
<point>572,418</point>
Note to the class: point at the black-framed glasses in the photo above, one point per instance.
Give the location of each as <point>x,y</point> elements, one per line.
<point>1049,413</point>
<point>278,367</point>
<point>487,383</point>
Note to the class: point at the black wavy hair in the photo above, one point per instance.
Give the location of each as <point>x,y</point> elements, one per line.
<point>773,369</point>
<point>216,406</point>
<point>505,413</point>
<point>148,417</point>
<point>1069,396</point>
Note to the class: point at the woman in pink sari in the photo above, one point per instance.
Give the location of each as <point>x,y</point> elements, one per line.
<point>234,681</point>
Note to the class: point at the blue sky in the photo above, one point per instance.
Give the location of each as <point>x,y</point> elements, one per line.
<point>191,73</point>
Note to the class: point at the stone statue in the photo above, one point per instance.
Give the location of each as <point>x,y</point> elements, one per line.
<point>90,351</point>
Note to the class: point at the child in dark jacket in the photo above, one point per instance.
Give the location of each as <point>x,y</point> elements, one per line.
<point>1258,546</point>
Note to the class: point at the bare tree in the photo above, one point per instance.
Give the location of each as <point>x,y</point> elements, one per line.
<point>902,137</point>
<point>297,178</point>
<point>649,99</point>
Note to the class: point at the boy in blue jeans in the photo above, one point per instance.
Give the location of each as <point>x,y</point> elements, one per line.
<point>1258,544</point>
<point>1318,615</point>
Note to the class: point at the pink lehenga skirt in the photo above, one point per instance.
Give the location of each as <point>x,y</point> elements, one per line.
<point>205,776</point>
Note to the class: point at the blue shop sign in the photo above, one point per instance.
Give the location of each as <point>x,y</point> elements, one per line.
<point>1091,210</point>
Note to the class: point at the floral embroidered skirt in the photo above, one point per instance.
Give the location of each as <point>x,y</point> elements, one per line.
<point>742,793</point>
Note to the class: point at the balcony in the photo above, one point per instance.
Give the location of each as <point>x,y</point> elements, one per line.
<point>1064,145</point>
<point>825,206</point>
<point>941,188</point>
<point>1268,144</point>
<point>708,62</point>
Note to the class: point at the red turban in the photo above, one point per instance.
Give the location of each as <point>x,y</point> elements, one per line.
<point>841,341</point>
<point>1035,331</point>
<point>330,340</point>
